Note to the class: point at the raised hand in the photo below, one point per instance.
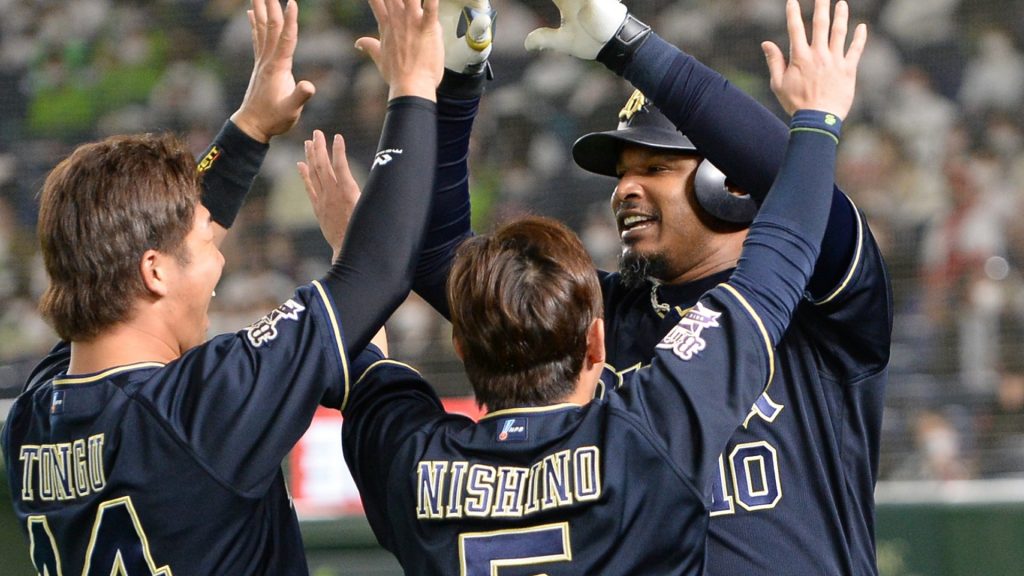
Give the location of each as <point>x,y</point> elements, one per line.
<point>273,101</point>
<point>468,33</point>
<point>332,190</point>
<point>820,75</point>
<point>410,51</point>
<point>587,25</point>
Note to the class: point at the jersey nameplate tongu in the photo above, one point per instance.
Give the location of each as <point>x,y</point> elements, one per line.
<point>265,329</point>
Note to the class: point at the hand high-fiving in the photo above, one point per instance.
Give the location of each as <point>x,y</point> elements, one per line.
<point>410,51</point>
<point>274,100</point>
<point>821,75</point>
<point>331,188</point>
<point>587,25</point>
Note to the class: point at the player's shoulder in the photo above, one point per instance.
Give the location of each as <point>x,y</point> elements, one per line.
<point>53,364</point>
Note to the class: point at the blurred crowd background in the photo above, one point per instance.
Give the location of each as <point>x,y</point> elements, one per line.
<point>933,153</point>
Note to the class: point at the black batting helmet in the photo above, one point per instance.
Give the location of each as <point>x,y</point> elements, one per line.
<point>640,122</point>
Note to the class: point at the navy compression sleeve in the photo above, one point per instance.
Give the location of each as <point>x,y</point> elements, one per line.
<point>229,166</point>
<point>738,135</point>
<point>458,99</point>
<point>374,271</point>
<point>785,238</point>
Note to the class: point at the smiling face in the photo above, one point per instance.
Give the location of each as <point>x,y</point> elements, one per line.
<point>660,231</point>
<point>663,232</point>
<point>195,275</point>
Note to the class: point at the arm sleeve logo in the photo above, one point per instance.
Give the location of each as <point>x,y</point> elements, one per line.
<point>265,329</point>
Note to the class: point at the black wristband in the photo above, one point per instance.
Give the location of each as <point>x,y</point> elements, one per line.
<point>465,86</point>
<point>618,52</point>
<point>228,168</point>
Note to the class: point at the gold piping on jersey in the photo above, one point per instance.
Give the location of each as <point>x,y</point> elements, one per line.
<point>529,410</point>
<point>764,333</point>
<point>855,264</point>
<point>384,362</point>
<point>105,373</point>
<point>337,339</point>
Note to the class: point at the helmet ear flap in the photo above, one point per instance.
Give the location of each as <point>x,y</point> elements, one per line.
<point>715,198</point>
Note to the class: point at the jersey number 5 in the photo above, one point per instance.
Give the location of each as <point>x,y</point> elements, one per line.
<point>483,553</point>
<point>118,544</point>
<point>754,468</point>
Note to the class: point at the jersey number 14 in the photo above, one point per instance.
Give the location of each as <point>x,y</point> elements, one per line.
<point>118,544</point>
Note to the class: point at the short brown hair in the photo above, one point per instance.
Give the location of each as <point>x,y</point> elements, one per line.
<point>101,208</point>
<point>522,300</point>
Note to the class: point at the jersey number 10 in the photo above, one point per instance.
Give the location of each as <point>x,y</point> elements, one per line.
<point>754,470</point>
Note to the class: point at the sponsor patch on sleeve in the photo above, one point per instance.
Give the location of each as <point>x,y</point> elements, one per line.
<point>684,340</point>
<point>265,329</point>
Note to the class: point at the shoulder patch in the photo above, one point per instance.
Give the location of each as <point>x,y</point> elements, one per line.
<point>685,337</point>
<point>265,329</point>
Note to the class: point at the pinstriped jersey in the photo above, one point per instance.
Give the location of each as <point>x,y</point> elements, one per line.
<point>614,487</point>
<point>804,464</point>
<point>175,468</point>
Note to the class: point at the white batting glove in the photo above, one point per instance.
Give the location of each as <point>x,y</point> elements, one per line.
<point>468,32</point>
<point>587,25</point>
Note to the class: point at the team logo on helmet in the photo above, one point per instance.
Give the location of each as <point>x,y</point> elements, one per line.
<point>636,103</point>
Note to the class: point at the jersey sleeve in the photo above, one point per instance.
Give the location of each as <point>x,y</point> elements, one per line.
<point>241,401</point>
<point>853,321</point>
<point>706,374</point>
<point>449,222</point>
<point>390,403</point>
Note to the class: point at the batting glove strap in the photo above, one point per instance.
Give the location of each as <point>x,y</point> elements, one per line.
<point>619,51</point>
<point>465,86</point>
<point>816,121</point>
<point>228,168</point>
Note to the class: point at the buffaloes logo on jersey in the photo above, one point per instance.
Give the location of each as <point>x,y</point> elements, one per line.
<point>685,337</point>
<point>265,329</point>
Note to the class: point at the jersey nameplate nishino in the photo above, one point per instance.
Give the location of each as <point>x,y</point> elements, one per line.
<point>265,329</point>
<point>456,489</point>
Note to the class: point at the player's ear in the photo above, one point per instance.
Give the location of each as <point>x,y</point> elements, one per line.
<point>154,270</point>
<point>595,343</point>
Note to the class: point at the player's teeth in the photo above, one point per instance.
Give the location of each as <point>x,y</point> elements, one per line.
<point>631,220</point>
<point>213,294</point>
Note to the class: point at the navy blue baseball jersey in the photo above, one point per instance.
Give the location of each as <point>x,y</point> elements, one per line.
<point>159,469</point>
<point>794,489</point>
<point>804,464</point>
<point>614,487</point>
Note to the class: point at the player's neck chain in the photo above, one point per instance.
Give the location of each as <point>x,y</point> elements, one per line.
<point>660,308</point>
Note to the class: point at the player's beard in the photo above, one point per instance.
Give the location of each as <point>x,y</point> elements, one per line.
<point>635,269</point>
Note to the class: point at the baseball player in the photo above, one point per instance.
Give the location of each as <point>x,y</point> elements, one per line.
<point>136,448</point>
<point>794,489</point>
<point>557,481</point>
